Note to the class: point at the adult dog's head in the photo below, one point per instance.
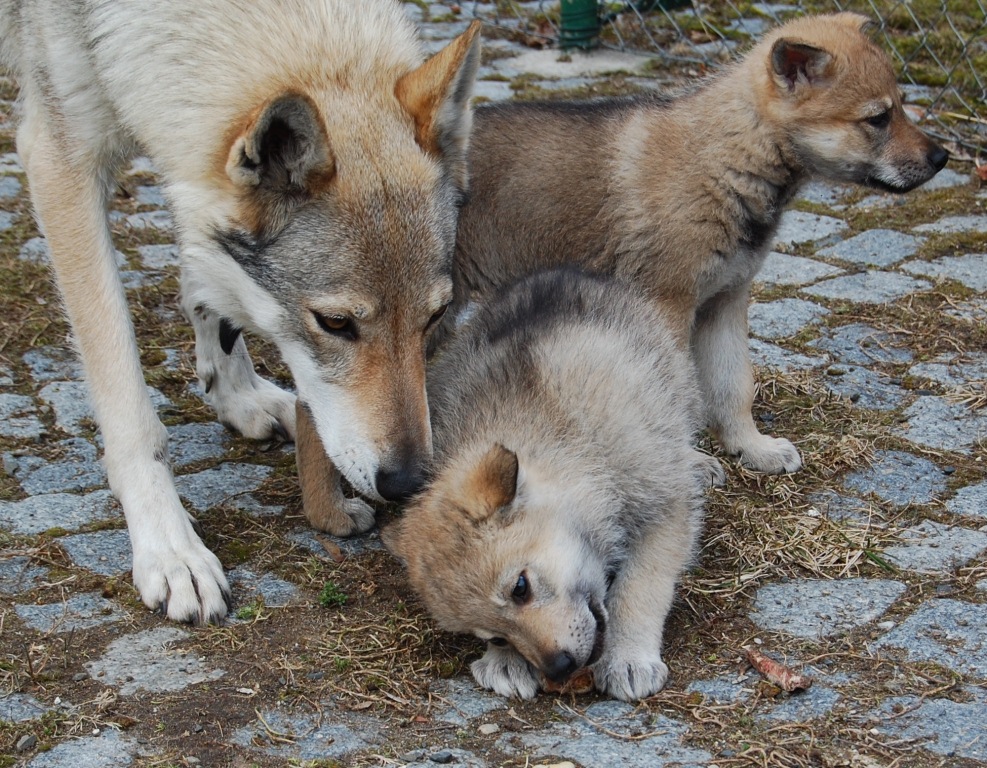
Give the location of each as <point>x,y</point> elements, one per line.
<point>512,555</point>
<point>345,182</point>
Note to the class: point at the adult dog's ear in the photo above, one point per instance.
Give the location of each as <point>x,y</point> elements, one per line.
<point>437,96</point>
<point>282,155</point>
<point>797,65</point>
<point>490,485</point>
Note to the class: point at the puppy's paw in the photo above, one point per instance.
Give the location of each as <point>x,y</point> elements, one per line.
<point>353,517</point>
<point>630,676</point>
<point>505,671</point>
<point>774,455</point>
<point>710,470</point>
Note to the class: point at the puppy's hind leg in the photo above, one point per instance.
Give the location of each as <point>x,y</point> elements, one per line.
<point>720,350</point>
<point>172,568</point>
<point>243,401</point>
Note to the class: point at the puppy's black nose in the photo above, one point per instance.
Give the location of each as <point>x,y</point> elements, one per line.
<point>561,668</point>
<point>938,157</point>
<point>400,483</point>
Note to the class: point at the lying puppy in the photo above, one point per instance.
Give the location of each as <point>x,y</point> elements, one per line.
<point>566,494</point>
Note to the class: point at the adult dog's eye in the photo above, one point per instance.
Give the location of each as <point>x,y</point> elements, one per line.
<point>434,319</point>
<point>522,590</point>
<point>498,641</point>
<point>336,325</point>
<point>880,121</point>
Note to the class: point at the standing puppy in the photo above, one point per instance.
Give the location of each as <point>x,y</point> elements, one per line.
<point>566,495</point>
<point>683,193</point>
<point>314,167</point>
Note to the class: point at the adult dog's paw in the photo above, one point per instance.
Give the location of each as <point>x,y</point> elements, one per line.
<point>630,676</point>
<point>505,671</point>
<point>774,455</point>
<point>710,470</point>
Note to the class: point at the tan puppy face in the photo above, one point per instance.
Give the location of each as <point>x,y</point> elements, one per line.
<point>482,551</point>
<point>835,93</point>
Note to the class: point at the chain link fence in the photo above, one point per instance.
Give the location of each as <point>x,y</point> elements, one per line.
<point>939,48</point>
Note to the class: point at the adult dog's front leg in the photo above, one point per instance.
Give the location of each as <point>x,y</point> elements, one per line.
<point>720,350</point>
<point>243,401</point>
<point>172,568</point>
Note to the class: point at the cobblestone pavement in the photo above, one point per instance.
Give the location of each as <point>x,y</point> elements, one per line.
<point>868,569</point>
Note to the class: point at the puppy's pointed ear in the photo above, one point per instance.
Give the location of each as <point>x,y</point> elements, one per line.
<point>437,96</point>
<point>856,21</point>
<point>283,150</point>
<point>490,485</point>
<point>796,65</point>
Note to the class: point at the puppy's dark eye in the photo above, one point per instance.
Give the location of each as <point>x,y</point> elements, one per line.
<point>498,641</point>
<point>336,325</point>
<point>522,590</point>
<point>434,319</point>
<point>880,121</point>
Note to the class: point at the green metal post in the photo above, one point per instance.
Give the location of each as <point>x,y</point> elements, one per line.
<point>580,24</point>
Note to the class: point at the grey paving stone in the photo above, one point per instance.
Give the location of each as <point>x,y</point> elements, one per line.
<point>770,355</point>
<point>874,248</point>
<point>159,220</point>
<point>982,585</point>
<point>355,545</point>
<point>722,690</point>
<point>799,707</point>
<point>492,90</point>
<point>76,613</point>
<point>947,178</point>
<point>798,227</point>
<point>971,311</point>
<point>110,748</point>
<point>17,574</point>
<point>969,270</point>
<point>10,163</point>
<point>936,423</point>
<point>150,195</point>
<point>592,747</point>
<point>932,547</point>
<point>949,632</point>
<point>843,508</point>
<point>815,608</point>
<point>79,469</point>
<point>7,220</point>
<point>465,702</point>
<point>148,661</point>
<point>867,287</point>
<point>106,553</point>
<point>949,728</point>
<point>6,376</point>
<point>35,251</point>
<point>823,193</point>
<point>70,399</point>
<point>316,737</point>
<point>20,707</point>
<point>69,511</point>
<point>860,344</point>
<point>275,592</point>
<point>785,269</point>
<point>783,318</point>
<point>969,501</point>
<point>953,370</point>
<point>191,443</point>
<point>212,487</point>
<point>899,478</point>
<point>51,363</point>
<point>159,256</point>
<point>10,187</point>
<point>17,417</point>
<point>866,388</point>
<point>951,224</point>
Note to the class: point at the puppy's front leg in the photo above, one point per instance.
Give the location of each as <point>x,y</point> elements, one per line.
<point>722,357</point>
<point>505,671</point>
<point>638,602</point>
<point>171,566</point>
<point>244,402</point>
<point>323,502</point>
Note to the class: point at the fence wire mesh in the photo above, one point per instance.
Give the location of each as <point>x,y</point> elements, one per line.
<point>939,48</point>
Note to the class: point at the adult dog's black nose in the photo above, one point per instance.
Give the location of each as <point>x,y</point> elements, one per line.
<point>561,668</point>
<point>938,157</point>
<point>400,483</point>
